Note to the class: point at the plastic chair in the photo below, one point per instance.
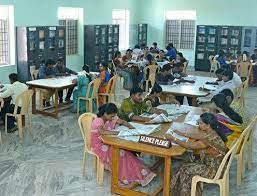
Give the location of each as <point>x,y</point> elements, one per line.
<point>34,74</point>
<point>149,83</point>
<point>214,64</point>
<point>241,91</point>
<point>110,90</point>
<point>243,148</point>
<point>222,176</point>
<point>244,69</point>
<point>185,67</point>
<point>85,122</point>
<point>249,143</point>
<point>90,96</point>
<point>23,101</point>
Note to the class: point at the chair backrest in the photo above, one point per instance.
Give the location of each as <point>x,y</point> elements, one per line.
<point>185,67</point>
<point>151,71</point>
<point>114,67</point>
<point>85,123</point>
<point>244,69</point>
<point>247,132</point>
<point>225,165</point>
<point>93,86</point>
<point>112,85</point>
<point>149,83</point>
<point>23,101</point>
<point>34,74</point>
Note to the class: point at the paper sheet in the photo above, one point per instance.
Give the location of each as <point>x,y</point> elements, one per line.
<point>173,109</point>
<point>193,120</point>
<point>133,134</point>
<point>179,137</point>
<point>161,118</point>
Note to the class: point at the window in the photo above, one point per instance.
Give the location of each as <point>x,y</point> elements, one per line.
<point>121,17</point>
<point>69,17</point>
<point>180,28</point>
<point>7,55</point>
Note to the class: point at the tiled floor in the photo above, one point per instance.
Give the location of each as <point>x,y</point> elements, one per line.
<point>50,164</point>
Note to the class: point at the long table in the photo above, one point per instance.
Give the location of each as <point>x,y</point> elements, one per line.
<point>52,85</point>
<point>167,154</point>
<point>189,89</point>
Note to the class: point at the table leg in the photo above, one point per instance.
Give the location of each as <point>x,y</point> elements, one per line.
<point>115,168</point>
<point>167,174</point>
<point>34,101</point>
<point>194,101</point>
<point>56,103</point>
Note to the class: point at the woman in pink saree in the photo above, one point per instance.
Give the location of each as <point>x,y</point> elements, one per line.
<point>131,169</point>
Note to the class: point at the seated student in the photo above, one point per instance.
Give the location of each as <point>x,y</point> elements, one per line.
<point>131,168</point>
<point>230,121</point>
<point>221,58</point>
<point>161,57</point>
<point>236,106</point>
<point>62,70</point>
<point>218,74</point>
<point>178,70</point>
<point>137,51</point>
<point>133,106</point>
<point>82,81</point>
<point>254,59</point>
<point>117,60</point>
<point>127,57</point>
<point>154,97</point>
<point>7,106</point>
<point>165,77</point>
<point>47,70</point>
<point>180,58</point>
<point>171,52</point>
<point>105,76</point>
<point>154,48</point>
<point>210,143</point>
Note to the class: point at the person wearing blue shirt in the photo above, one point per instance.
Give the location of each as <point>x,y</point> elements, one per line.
<point>47,70</point>
<point>222,59</point>
<point>171,51</point>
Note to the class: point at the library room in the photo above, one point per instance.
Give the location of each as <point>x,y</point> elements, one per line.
<point>128,97</point>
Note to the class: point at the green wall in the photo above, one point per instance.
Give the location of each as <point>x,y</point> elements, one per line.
<point>44,12</point>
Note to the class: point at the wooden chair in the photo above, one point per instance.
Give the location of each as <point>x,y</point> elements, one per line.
<point>244,69</point>
<point>91,95</point>
<point>222,176</point>
<point>185,67</point>
<point>242,149</point>
<point>110,90</point>
<point>23,101</point>
<point>85,122</point>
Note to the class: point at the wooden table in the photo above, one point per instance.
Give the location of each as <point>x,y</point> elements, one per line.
<point>189,89</point>
<point>118,144</point>
<point>53,85</point>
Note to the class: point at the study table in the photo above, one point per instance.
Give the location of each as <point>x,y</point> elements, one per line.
<point>167,154</point>
<point>53,85</point>
<point>189,89</point>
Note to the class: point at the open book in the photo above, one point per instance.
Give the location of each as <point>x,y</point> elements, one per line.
<point>134,134</point>
<point>157,118</point>
<point>173,109</point>
<point>193,120</point>
<point>179,137</point>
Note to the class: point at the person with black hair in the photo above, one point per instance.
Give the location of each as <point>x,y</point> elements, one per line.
<point>62,70</point>
<point>178,70</point>
<point>82,81</point>
<point>171,52</point>
<point>210,142</point>
<point>154,48</point>
<point>221,58</point>
<point>133,106</point>
<point>105,76</point>
<point>8,96</point>
<point>165,77</point>
<point>231,78</point>
<point>219,75</point>
<point>180,58</point>
<point>131,168</point>
<point>128,56</point>
<point>137,50</point>
<point>154,97</point>
<point>47,70</point>
<point>230,121</point>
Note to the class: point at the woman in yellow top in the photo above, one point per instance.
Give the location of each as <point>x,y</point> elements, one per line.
<point>230,122</point>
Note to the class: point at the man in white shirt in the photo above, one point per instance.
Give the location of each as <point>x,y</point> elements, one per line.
<point>9,93</point>
<point>236,80</point>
